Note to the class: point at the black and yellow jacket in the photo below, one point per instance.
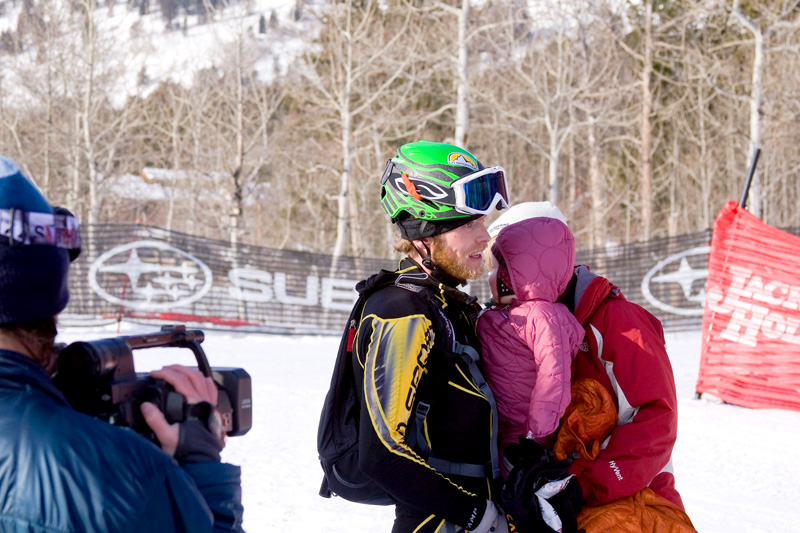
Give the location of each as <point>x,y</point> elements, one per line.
<point>401,358</point>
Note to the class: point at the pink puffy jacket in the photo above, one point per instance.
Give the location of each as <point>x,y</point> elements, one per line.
<point>528,345</point>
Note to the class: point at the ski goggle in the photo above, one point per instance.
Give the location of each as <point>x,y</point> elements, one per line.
<point>60,229</point>
<point>480,193</point>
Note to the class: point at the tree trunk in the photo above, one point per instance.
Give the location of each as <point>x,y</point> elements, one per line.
<point>346,121</point>
<point>598,236</point>
<point>75,188</point>
<point>552,169</point>
<point>462,96</point>
<point>755,200</point>
<point>705,180</point>
<point>646,161</point>
<point>236,207</point>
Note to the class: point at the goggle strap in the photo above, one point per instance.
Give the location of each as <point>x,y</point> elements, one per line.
<point>387,171</point>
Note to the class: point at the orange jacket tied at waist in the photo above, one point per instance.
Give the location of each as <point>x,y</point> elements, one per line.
<point>587,422</point>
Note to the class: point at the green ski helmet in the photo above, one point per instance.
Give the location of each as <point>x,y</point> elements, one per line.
<point>429,188</point>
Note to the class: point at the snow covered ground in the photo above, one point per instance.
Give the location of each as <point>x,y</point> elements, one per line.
<point>737,469</point>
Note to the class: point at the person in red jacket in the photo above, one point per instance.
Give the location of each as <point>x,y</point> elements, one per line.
<point>624,350</point>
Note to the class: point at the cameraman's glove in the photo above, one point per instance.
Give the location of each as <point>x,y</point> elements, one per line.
<point>493,521</point>
<point>199,436</point>
<point>540,495</point>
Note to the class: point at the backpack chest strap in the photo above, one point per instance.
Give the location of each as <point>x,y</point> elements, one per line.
<point>470,356</point>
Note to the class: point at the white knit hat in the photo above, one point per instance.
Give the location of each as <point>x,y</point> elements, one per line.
<point>524,211</point>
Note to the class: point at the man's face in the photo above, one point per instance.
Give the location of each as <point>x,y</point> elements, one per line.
<point>459,252</point>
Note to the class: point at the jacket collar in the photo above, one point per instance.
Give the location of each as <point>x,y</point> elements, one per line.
<point>20,372</point>
<point>585,292</point>
<point>411,272</point>
<point>437,275</point>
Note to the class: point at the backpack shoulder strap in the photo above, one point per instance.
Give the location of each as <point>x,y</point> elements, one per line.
<point>470,356</point>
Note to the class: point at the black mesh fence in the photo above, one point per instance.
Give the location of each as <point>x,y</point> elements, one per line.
<point>150,274</point>
<point>666,276</point>
<point>153,275</point>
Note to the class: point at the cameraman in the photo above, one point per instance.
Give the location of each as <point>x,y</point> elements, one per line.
<point>63,471</point>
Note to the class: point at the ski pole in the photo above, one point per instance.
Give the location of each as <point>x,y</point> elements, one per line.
<point>749,180</point>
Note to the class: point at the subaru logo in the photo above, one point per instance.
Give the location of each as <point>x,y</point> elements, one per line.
<point>149,275</point>
<point>685,275</point>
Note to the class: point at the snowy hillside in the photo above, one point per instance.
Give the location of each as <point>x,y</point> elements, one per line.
<point>147,50</point>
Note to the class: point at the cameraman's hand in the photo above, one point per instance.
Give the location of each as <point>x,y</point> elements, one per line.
<point>196,388</point>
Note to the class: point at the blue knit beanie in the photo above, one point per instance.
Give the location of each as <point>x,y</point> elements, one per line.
<point>35,247</point>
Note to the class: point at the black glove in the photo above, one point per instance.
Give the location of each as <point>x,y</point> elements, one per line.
<point>199,436</point>
<point>568,503</point>
<point>533,468</point>
<point>559,501</point>
<point>526,452</point>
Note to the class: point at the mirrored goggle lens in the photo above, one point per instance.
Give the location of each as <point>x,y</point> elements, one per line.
<point>480,191</point>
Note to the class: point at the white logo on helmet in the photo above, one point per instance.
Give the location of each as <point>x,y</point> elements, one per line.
<point>462,160</point>
<point>164,280</point>
<point>428,190</point>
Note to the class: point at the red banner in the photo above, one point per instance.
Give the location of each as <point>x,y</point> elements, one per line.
<point>751,322</point>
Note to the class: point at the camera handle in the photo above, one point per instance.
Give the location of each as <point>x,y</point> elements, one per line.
<point>176,336</point>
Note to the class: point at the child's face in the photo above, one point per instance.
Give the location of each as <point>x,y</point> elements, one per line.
<point>491,260</point>
<point>491,268</point>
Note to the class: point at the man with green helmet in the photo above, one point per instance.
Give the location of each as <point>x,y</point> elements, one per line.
<point>429,189</point>
<point>427,433</point>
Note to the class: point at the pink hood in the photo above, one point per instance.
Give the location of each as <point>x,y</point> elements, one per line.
<point>540,255</point>
<point>528,345</point>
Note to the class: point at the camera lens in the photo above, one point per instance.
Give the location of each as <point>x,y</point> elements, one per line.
<point>92,360</point>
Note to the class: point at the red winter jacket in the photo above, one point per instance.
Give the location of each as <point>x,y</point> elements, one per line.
<point>624,350</point>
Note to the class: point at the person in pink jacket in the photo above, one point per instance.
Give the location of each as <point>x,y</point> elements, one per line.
<point>623,350</point>
<point>528,340</point>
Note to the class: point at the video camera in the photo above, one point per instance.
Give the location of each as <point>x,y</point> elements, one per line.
<point>98,378</point>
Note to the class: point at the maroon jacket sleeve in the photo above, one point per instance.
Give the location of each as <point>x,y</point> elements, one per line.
<point>627,353</point>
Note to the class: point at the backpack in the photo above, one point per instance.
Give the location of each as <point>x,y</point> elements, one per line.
<point>337,435</point>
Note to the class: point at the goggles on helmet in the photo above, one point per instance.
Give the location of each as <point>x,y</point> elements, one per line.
<point>21,228</point>
<point>480,193</point>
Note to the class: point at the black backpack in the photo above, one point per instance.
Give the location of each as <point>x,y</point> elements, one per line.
<point>337,435</point>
